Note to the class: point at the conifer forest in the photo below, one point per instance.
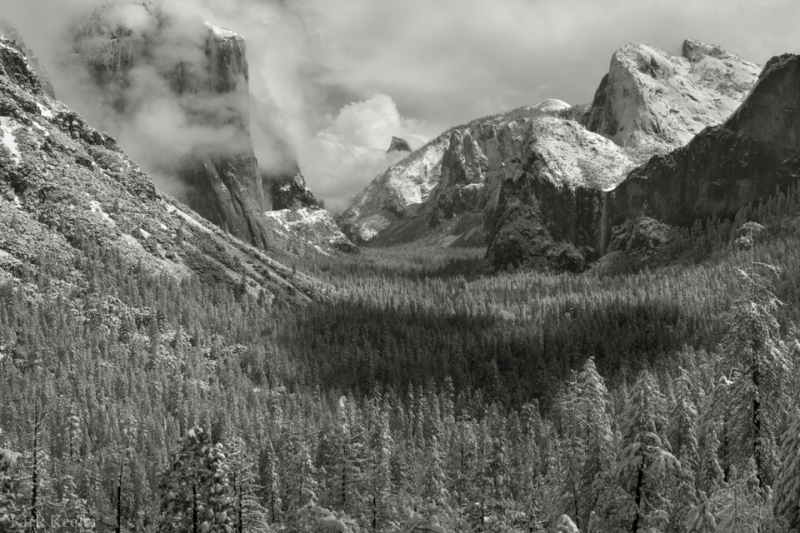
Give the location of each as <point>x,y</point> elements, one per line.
<point>555,318</point>
<point>415,397</point>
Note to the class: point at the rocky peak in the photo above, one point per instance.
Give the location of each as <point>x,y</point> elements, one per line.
<point>724,168</point>
<point>657,102</point>
<point>291,192</point>
<point>399,145</point>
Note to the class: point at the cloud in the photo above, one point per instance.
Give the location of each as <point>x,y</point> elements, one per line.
<point>344,156</point>
<point>316,66</point>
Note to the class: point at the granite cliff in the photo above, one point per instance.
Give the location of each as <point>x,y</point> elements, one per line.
<point>747,158</point>
<point>530,184</point>
<point>205,68</point>
<point>67,190</point>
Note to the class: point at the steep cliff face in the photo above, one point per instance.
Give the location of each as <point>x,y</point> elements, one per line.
<point>549,206</point>
<point>656,102</point>
<point>722,169</point>
<point>67,190</point>
<point>209,71</point>
<point>204,67</point>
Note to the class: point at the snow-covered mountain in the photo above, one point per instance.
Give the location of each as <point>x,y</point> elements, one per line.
<point>529,183</point>
<point>67,190</point>
<point>658,102</point>
<point>724,168</point>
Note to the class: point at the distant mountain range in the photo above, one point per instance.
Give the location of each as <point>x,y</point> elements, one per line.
<point>556,187</point>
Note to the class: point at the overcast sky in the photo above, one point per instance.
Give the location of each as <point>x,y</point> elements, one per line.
<point>346,75</point>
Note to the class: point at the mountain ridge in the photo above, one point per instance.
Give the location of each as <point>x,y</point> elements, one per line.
<point>65,186</point>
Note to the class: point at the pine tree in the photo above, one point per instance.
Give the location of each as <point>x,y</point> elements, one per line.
<point>301,485</point>
<point>742,507</point>
<point>12,511</point>
<point>644,464</point>
<point>787,486</point>
<point>270,482</point>
<point>760,363</point>
<point>378,474</point>
<point>710,474</point>
<point>594,405</point>
<point>249,514</point>
<point>73,512</point>
<point>196,491</point>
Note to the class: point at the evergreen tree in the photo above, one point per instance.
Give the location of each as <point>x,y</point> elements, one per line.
<point>787,486</point>
<point>12,510</point>
<point>760,364</point>
<point>644,464</point>
<point>270,482</point>
<point>196,491</point>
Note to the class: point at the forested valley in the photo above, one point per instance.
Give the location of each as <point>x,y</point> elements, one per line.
<point>417,395</point>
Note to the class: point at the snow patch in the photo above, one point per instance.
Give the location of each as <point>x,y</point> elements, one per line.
<point>17,202</point>
<point>95,207</point>
<point>46,113</point>
<point>144,233</point>
<point>552,105</point>
<point>10,140</point>
<point>222,33</point>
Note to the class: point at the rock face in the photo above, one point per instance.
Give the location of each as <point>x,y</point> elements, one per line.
<point>33,61</point>
<point>395,195</point>
<point>469,166</point>
<point>550,207</point>
<point>204,67</point>
<point>529,184</point>
<point>656,102</point>
<point>722,169</point>
<point>67,190</point>
<point>399,145</point>
<point>291,192</point>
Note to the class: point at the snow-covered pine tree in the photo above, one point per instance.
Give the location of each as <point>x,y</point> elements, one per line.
<point>759,362</point>
<point>270,482</point>
<point>787,486</point>
<point>196,491</point>
<point>572,448</point>
<point>741,505</point>
<point>301,486</point>
<point>249,514</point>
<point>73,514</point>
<point>378,476</point>
<point>644,464</point>
<point>594,404</point>
<point>13,515</point>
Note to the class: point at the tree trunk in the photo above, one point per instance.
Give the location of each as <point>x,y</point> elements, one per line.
<point>194,508</point>
<point>638,498</point>
<point>119,498</point>
<point>35,477</point>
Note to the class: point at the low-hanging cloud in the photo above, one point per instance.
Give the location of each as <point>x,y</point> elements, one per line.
<point>316,66</point>
<point>350,150</point>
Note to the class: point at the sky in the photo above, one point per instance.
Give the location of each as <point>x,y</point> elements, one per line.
<point>341,77</point>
